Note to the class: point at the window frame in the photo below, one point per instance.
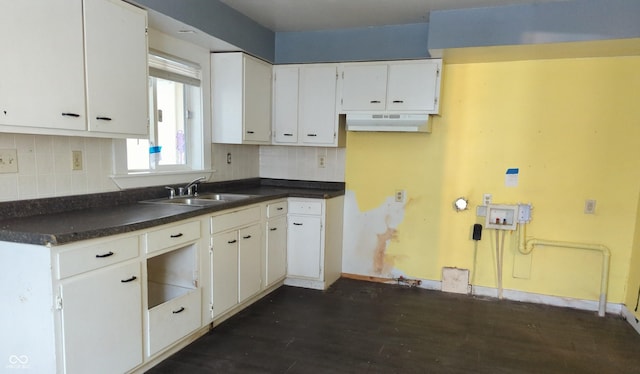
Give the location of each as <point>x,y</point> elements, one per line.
<point>198,139</point>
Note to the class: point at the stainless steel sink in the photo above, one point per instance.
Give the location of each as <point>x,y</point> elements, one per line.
<point>192,201</point>
<point>206,199</point>
<point>223,196</point>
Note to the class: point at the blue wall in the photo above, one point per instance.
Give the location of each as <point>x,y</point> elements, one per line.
<point>554,22</point>
<point>515,25</point>
<point>358,44</point>
<point>220,21</point>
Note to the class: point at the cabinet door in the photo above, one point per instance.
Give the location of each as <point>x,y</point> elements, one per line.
<point>285,104</point>
<point>116,63</point>
<point>304,246</point>
<point>225,272</point>
<point>412,86</point>
<point>364,87</point>
<point>257,101</point>
<point>41,69</point>
<point>276,261</point>
<point>317,105</point>
<point>250,274</point>
<point>102,321</point>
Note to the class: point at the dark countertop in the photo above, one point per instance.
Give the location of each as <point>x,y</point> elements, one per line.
<point>56,221</point>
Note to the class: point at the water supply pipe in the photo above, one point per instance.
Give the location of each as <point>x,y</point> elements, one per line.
<point>527,247</point>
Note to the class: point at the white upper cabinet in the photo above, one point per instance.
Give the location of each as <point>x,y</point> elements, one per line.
<point>364,87</point>
<point>318,118</point>
<point>116,63</point>
<point>305,106</point>
<point>399,86</point>
<point>285,105</point>
<point>46,53</point>
<point>241,94</point>
<point>41,69</point>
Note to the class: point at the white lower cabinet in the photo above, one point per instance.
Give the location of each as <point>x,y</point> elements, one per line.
<point>236,246</point>
<point>123,303</point>
<point>306,242</point>
<point>172,320</point>
<point>102,320</point>
<point>225,271</point>
<point>249,265</point>
<point>314,242</point>
<point>173,292</point>
<point>276,243</point>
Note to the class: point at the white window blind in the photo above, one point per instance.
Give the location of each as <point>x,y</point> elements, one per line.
<point>169,68</point>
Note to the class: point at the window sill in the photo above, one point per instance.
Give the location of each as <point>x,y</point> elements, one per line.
<point>159,178</point>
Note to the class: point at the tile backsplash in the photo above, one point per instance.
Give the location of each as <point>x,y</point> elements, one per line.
<point>280,162</point>
<point>244,161</point>
<point>45,167</point>
<point>302,163</point>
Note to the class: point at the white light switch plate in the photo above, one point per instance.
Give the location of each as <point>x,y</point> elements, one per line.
<point>8,161</point>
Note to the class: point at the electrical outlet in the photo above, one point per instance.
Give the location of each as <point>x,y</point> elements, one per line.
<point>8,161</point>
<point>76,160</point>
<point>322,161</point>
<point>400,196</point>
<point>589,207</point>
<point>486,199</point>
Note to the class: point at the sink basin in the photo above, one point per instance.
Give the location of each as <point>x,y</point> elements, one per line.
<point>223,196</point>
<point>192,201</point>
<point>206,199</point>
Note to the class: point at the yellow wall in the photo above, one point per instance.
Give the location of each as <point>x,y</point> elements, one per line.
<point>572,127</point>
<point>633,285</point>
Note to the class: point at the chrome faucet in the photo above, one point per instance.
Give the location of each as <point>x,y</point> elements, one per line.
<point>191,189</point>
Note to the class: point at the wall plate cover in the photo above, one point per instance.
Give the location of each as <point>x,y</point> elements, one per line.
<point>501,217</point>
<point>8,161</point>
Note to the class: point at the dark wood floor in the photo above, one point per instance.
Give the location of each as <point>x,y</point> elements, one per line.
<point>362,327</point>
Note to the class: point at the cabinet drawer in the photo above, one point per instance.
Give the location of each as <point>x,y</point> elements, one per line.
<point>170,321</point>
<point>172,235</point>
<point>234,219</point>
<point>276,209</point>
<point>92,257</point>
<point>305,207</point>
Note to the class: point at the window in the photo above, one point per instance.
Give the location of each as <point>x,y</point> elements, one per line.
<point>175,116</point>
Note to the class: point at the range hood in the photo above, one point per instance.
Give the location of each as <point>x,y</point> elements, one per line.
<point>388,122</point>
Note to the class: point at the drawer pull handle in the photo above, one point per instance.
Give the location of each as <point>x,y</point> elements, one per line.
<point>250,132</point>
<point>297,224</point>
<point>178,311</point>
<point>279,208</point>
<point>232,241</point>
<point>312,134</point>
<point>246,237</point>
<point>176,235</point>
<point>105,255</point>
<point>288,134</point>
<point>71,115</point>
<point>133,277</point>
<point>273,229</point>
<point>398,101</point>
<point>103,118</point>
<point>375,101</point>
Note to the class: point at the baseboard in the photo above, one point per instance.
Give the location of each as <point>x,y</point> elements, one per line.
<point>305,283</point>
<point>529,297</point>
<point>565,302</point>
<point>631,318</point>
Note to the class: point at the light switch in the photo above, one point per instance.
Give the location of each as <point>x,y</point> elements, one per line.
<point>8,161</point>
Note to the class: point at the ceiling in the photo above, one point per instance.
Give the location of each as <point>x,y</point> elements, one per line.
<point>309,15</point>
